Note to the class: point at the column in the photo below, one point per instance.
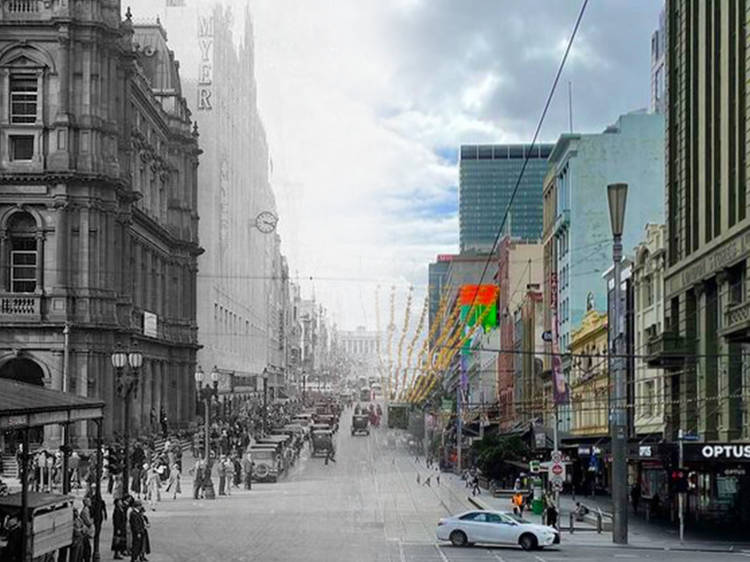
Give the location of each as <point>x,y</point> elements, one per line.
<point>39,262</point>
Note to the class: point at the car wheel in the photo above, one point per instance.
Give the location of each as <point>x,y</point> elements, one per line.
<point>458,538</point>
<point>528,541</point>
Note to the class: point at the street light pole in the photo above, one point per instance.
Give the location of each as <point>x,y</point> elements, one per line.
<point>126,384</point>
<point>265,401</point>
<point>617,197</point>
<point>205,392</point>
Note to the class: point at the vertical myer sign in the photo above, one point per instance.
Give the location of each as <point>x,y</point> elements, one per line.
<point>206,65</point>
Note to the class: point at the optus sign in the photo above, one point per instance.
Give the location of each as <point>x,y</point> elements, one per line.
<point>735,452</point>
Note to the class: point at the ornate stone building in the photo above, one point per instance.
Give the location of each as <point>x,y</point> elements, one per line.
<point>98,213</point>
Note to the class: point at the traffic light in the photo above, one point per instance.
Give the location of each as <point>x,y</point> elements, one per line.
<point>679,481</point>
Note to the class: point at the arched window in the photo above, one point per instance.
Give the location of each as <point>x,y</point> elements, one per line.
<point>24,254</point>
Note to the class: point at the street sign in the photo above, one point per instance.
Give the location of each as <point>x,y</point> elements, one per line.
<point>556,457</point>
<point>547,336</point>
<point>557,485</point>
<point>557,469</point>
<point>534,467</point>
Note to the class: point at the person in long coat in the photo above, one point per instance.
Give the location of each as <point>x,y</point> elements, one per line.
<point>174,480</point>
<point>138,530</point>
<point>119,529</point>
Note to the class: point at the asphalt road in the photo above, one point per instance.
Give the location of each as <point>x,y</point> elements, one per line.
<point>367,506</point>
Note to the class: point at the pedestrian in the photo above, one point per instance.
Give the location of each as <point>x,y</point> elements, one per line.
<point>427,481</point>
<point>552,515</point>
<point>153,485</point>
<point>138,531</point>
<point>418,478</point>
<point>13,551</point>
<point>197,472</point>
<point>237,470</point>
<point>119,530</point>
<point>163,421</point>
<point>247,470</point>
<point>635,496</point>
<point>475,486</point>
<point>222,470</point>
<point>229,470</point>
<point>173,484</point>
<point>75,554</point>
<point>87,529</point>
<point>329,455</point>
<point>437,477</point>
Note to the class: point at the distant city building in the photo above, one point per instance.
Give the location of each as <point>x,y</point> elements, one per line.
<point>659,67</point>
<point>487,177</point>
<point>577,232</point>
<point>649,261</point>
<point>437,274</point>
<point>98,211</point>
<point>519,265</point>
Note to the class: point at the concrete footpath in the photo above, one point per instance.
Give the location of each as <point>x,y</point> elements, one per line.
<point>641,534</point>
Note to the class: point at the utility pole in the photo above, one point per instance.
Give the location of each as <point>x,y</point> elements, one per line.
<point>681,494</point>
<point>617,196</point>
<point>459,428</point>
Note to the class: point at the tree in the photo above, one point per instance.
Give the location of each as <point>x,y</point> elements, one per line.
<point>493,452</point>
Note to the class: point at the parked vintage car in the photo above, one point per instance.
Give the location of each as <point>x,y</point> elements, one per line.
<point>267,463</point>
<point>360,425</point>
<point>282,443</point>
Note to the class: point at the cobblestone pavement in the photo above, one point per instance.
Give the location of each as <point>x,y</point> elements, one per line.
<point>367,506</point>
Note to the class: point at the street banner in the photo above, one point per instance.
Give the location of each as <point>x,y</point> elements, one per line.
<point>560,388</point>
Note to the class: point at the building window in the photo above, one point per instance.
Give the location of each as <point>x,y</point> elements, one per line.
<point>648,399</point>
<point>23,253</point>
<point>21,148</point>
<point>23,99</point>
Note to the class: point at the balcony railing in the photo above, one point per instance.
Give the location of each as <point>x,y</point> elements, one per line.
<point>667,349</point>
<point>737,322</point>
<point>24,9</point>
<point>20,308</point>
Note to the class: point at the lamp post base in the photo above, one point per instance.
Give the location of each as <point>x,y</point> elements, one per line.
<point>208,490</point>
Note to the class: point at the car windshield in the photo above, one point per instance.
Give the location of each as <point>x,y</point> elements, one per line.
<point>262,454</point>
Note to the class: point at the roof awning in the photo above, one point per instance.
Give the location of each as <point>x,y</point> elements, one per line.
<point>25,405</point>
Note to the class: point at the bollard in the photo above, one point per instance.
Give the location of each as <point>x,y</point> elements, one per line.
<point>572,523</point>
<point>599,523</point>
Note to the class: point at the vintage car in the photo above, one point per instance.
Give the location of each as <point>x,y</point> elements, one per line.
<point>327,419</point>
<point>360,425</point>
<point>322,442</point>
<point>305,420</point>
<point>267,463</point>
<point>282,443</point>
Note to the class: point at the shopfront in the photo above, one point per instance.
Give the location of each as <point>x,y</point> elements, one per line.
<point>719,483</point>
<point>590,467</point>
<point>649,466</point>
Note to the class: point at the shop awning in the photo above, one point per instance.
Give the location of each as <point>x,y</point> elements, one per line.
<point>27,405</point>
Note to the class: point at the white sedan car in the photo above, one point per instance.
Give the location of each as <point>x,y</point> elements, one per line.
<point>495,527</point>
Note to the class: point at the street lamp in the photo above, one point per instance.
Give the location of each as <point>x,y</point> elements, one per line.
<point>127,384</point>
<point>617,194</point>
<point>205,393</point>
<point>265,401</point>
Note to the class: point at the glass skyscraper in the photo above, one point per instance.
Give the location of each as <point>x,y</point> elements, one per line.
<point>488,174</point>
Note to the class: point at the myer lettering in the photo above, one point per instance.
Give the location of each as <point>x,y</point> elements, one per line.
<point>717,452</point>
<point>206,65</point>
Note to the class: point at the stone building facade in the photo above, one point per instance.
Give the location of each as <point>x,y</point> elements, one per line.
<point>98,214</point>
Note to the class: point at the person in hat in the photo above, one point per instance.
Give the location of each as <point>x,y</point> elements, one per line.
<point>222,470</point>
<point>138,531</point>
<point>119,530</point>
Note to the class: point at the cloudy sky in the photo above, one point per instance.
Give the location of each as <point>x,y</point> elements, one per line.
<point>366,101</point>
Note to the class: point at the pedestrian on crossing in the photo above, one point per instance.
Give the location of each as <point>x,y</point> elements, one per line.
<point>427,481</point>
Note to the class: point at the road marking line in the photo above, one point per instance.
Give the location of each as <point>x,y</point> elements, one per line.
<point>442,554</point>
<point>540,559</point>
<point>626,556</point>
<point>496,555</point>
<point>401,551</point>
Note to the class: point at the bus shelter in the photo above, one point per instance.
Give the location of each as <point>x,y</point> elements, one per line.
<point>26,406</point>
